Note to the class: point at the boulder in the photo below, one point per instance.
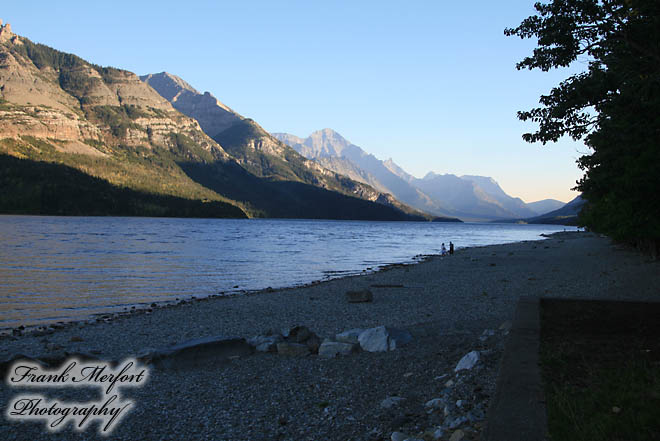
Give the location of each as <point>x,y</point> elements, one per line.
<point>313,343</point>
<point>382,339</point>
<point>265,343</point>
<point>293,349</point>
<point>298,334</point>
<point>350,336</point>
<point>468,361</point>
<point>192,352</point>
<point>331,349</point>
<point>361,296</point>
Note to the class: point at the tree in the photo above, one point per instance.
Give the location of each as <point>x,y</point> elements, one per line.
<point>614,105</point>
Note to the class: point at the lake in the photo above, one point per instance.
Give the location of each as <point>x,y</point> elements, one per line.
<point>68,268</point>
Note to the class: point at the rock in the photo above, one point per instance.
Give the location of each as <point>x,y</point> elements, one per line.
<point>313,343</point>
<point>435,403</point>
<point>459,403</point>
<point>400,336</point>
<point>449,383</point>
<point>399,436</point>
<point>350,336</point>
<point>292,349</point>
<point>191,352</point>
<point>375,340</point>
<point>362,296</point>
<point>331,349</point>
<point>298,334</point>
<point>382,339</point>
<point>506,326</point>
<point>390,402</point>
<point>476,415</point>
<point>438,433</point>
<point>457,422</point>
<point>487,333</point>
<point>457,435</point>
<point>265,343</point>
<point>468,361</point>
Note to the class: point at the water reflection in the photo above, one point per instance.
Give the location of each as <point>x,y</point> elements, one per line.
<point>62,268</point>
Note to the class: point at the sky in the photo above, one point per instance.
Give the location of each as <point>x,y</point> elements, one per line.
<point>430,84</point>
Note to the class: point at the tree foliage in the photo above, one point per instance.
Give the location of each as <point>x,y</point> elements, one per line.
<point>614,105</point>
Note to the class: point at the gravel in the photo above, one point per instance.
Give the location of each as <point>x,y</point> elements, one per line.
<point>446,303</point>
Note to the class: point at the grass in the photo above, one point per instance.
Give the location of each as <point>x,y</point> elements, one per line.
<point>601,370</point>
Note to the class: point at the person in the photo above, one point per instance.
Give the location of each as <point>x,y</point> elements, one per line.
<point>443,250</point>
<point>451,248</point>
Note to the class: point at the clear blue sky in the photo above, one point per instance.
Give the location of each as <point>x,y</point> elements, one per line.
<point>431,84</point>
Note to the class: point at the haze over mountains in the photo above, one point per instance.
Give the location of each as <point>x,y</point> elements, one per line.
<point>466,197</point>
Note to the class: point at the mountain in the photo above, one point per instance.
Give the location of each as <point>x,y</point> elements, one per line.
<point>466,197</point>
<point>566,215</point>
<point>514,205</point>
<point>329,149</point>
<point>77,138</point>
<point>263,155</point>
<point>545,206</point>
<point>212,115</point>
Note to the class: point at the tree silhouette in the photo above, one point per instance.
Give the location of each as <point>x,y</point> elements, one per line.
<point>614,106</point>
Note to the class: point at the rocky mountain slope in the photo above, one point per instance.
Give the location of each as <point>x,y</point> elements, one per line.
<point>332,151</point>
<point>121,141</point>
<point>260,153</point>
<point>212,115</point>
<point>467,197</point>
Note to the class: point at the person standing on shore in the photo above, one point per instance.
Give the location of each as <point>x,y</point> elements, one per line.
<point>443,250</point>
<point>451,248</point>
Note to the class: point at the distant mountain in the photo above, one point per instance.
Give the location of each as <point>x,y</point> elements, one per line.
<point>545,206</point>
<point>467,197</point>
<point>263,155</point>
<point>566,215</point>
<point>77,138</point>
<point>332,151</point>
<point>468,200</point>
<point>493,189</point>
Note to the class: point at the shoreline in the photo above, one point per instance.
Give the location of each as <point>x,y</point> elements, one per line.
<point>58,301</point>
<point>451,306</point>
<point>217,301</point>
<point>148,307</point>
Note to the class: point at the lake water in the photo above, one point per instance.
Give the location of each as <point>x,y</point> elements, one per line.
<point>66,268</point>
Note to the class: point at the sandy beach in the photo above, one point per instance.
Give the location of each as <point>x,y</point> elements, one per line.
<point>445,302</point>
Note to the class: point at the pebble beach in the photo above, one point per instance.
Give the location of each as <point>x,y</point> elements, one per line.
<point>451,305</point>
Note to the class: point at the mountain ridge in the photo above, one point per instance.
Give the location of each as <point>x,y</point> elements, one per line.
<point>468,197</point>
<point>103,122</point>
<point>267,157</point>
